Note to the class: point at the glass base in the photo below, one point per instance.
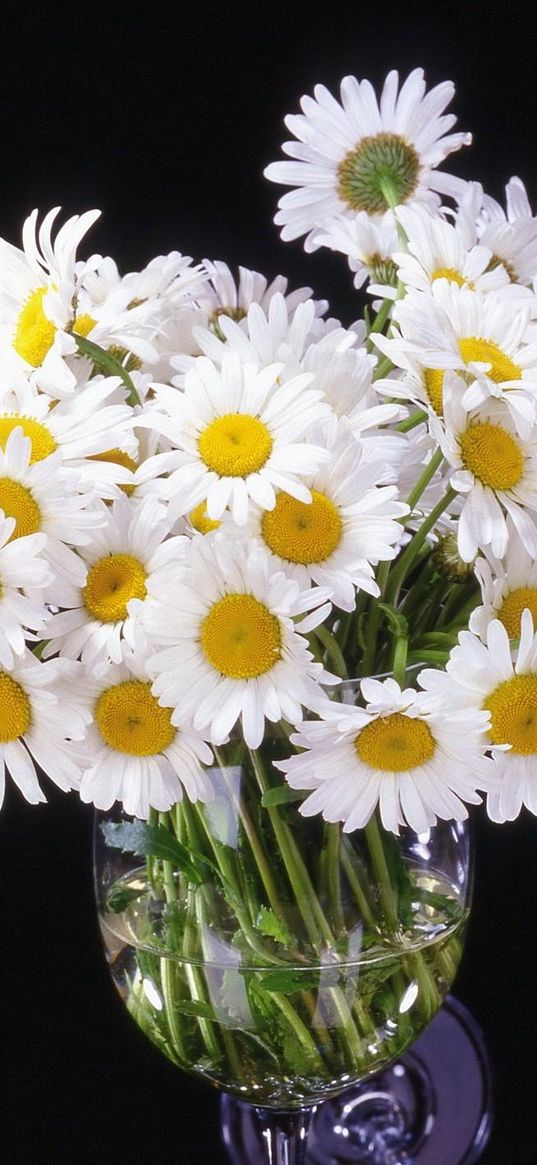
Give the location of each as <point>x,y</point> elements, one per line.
<point>434,1104</point>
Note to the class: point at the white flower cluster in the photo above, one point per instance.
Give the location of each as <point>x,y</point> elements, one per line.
<point>207,490</point>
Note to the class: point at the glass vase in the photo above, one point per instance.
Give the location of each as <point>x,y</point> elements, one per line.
<point>274,955</point>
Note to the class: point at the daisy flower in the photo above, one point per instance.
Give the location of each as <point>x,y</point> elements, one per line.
<point>22,574</point>
<point>510,234</point>
<point>264,336</point>
<point>490,677</point>
<point>132,751</point>
<point>226,300</point>
<point>238,437</point>
<point>349,526</point>
<point>128,314</point>
<point>42,498</point>
<point>455,327</point>
<point>369,245</point>
<point>410,381</point>
<point>495,474</point>
<point>230,646</point>
<point>344,375</point>
<point>38,723</point>
<point>128,550</point>
<point>92,422</point>
<point>38,288</point>
<point>402,752</point>
<point>365,155</point>
<point>508,587</point>
<point>437,249</point>
<point>225,295</point>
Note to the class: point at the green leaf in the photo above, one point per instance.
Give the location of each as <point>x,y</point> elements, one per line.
<point>281,795</point>
<point>120,898</point>
<point>397,621</point>
<point>108,364</point>
<point>272,926</point>
<point>137,837</point>
<point>288,982</point>
<point>451,907</point>
<point>436,639</point>
<point>203,1010</point>
<point>195,1007</point>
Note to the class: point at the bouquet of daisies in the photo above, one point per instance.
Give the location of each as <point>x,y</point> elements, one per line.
<point>259,569</point>
<point>216,503</point>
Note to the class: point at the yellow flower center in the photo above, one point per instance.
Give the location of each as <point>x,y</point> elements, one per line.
<point>200,520</point>
<point>395,743</point>
<point>235,445</point>
<point>486,351</point>
<point>34,334</point>
<point>513,605</point>
<point>117,457</point>
<point>15,711</point>
<point>130,719</point>
<point>84,324</point>
<point>240,637</point>
<point>434,386</point>
<point>302,532</point>
<point>111,583</point>
<point>43,443</point>
<point>513,707</point>
<point>492,455</point>
<point>453,275</point>
<point>17,502</point>
<point>382,168</point>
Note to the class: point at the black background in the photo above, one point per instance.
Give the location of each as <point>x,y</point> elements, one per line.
<point>165,118</point>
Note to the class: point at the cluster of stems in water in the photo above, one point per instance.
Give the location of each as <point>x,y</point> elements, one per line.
<point>316,946</point>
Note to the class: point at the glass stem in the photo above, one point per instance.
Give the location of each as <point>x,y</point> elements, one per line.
<point>285,1135</point>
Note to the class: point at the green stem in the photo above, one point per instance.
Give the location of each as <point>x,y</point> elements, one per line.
<point>226,863</point>
<point>299,1029</point>
<point>331,865</point>
<point>403,564</point>
<point>429,999</point>
<point>151,862</point>
<point>382,368</point>
<point>379,321</point>
<point>168,976</point>
<point>335,655</point>
<point>388,893</point>
<point>415,418</point>
<point>465,609</point>
<point>194,977</point>
<point>424,479</point>
<point>256,845</point>
<point>310,908</point>
<point>369,657</point>
<point>419,590</point>
<point>167,867</point>
<point>227,1037</point>
<point>399,659</point>
<point>349,861</point>
<point>314,920</point>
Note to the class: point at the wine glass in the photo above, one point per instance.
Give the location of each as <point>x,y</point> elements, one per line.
<point>271,954</point>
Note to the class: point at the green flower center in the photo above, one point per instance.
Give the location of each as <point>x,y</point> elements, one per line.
<point>381,171</point>
<point>382,270</point>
